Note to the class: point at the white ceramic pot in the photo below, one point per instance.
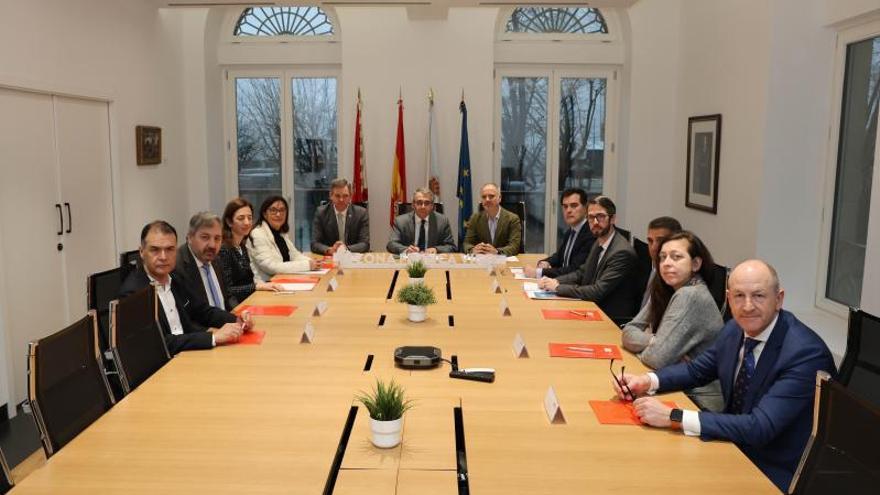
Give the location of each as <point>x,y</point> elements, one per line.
<point>413,281</point>
<point>417,313</point>
<point>386,434</point>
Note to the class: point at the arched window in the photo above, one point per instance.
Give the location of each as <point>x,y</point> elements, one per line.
<point>547,20</point>
<point>283,21</point>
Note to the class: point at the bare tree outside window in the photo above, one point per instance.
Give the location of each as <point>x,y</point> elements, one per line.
<point>258,132</point>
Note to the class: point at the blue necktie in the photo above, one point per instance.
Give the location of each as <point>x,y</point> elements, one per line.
<point>746,370</point>
<point>568,247</point>
<point>215,299</point>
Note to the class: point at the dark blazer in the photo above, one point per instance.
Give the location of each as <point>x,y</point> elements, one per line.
<point>579,252</point>
<point>777,412</point>
<point>508,232</point>
<point>611,284</point>
<point>195,317</point>
<point>403,233</point>
<point>187,272</point>
<point>325,232</point>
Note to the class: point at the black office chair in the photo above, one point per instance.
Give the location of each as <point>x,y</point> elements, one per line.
<point>518,207</point>
<point>103,287</point>
<point>860,368</point>
<point>644,264</point>
<point>67,389</point>
<point>136,339</point>
<point>403,208</point>
<point>625,233</point>
<point>718,288</point>
<point>362,204</point>
<point>841,454</point>
<point>6,482</point>
<point>129,261</point>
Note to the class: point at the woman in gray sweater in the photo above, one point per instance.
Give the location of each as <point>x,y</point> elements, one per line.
<point>681,319</point>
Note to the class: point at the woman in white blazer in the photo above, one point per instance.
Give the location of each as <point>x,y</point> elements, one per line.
<point>270,247</point>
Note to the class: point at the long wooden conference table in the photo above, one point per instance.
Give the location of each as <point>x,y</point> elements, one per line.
<point>269,418</point>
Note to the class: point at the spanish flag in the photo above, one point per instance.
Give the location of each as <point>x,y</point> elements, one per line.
<point>398,171</point>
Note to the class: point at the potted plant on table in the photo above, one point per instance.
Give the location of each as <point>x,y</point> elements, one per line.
<point>416,271</point>
<point>386,403</point>
<point>417,297</point>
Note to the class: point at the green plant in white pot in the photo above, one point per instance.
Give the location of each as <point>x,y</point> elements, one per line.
<point>417,297</point>
<point>416,271</point>
<point>386,403</point>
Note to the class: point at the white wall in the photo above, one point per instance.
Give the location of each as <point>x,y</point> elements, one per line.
<point>123,51</point>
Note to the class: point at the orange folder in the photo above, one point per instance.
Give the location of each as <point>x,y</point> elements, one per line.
<point>591,351</point>
<point>572,314</point>
<point>616,412</point>
<point>254,337</point>
<point>267,310</point>
<point>297,280</point>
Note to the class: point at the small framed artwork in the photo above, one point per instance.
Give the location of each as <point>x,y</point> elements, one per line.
<point>703,153</point>
<point>149,145</point>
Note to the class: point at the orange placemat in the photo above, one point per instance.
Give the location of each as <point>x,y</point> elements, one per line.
<point>254,337</point>
<point>572,314</point>
<point>615,412</point>
<point>267,310</point>
<point>590,351</point>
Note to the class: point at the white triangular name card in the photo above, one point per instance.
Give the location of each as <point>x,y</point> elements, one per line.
<point>320,308</point>
<point>340,271</point>
<point>308,334</point>
<point>552,407</point>
<point>332,285</point>
<point>503,307</point>
<point>519,347</point>
<point>496,287</point>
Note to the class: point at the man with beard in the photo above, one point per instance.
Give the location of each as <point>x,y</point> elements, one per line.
<point>608,276</point>
<point>197,265</point>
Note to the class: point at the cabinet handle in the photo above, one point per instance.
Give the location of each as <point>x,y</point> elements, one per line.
<point>60,219</point>
<point>69,218</point>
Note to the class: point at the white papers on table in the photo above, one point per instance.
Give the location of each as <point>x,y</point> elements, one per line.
<point>297,287</point>
<point>519,274</point>
<point>511,259</point>
<point>531,286</point>
<point>320,271</point>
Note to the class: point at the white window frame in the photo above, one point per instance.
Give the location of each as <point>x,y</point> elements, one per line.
<point>611,22</point>
<point>232,19</point>
<point>844,39</point>
<point>554,74</point>
<point>286,75</point>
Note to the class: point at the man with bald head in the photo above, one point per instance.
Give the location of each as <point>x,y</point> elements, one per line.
<point>766,360</point>
<point>494,230</point>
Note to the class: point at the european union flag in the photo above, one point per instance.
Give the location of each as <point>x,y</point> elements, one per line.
<point>465,199</point>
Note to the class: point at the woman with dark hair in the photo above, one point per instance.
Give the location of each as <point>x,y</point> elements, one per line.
<point>271,249</point>
<point>238,219</point>
<point>681,319</point>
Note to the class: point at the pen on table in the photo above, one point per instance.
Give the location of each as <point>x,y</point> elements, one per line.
<point>580,349</point>
<point>578,313</point>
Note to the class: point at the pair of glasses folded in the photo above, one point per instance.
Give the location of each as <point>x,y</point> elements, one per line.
<point>620,383</point>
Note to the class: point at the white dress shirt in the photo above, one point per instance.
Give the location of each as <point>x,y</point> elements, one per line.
<point>418,229</point>
<point>493,225</point>
<point>690,421</point>
<point>169,306</point>
<point>605,246</point>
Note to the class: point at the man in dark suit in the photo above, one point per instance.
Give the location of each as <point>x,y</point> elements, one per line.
<point>340,224</point>
<point>421,230</point>
<point>197,265</point>
<point>766,361</point>
<point>575,245</point>
<point>493,230</point>
<point>186,322</point>
<point>607,277</point>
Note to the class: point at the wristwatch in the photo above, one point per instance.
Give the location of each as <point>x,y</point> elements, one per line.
<point>676,415</point>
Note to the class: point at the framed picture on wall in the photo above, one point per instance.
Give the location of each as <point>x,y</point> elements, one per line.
<point>703,153</point>
<point>149,145</point>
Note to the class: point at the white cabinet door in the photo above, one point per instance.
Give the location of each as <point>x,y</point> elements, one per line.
<point>83,140</point>
<point>35,303</point>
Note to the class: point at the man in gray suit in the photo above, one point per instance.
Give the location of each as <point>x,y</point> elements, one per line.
<point>421,230</point>
<point>608,277</point>
<point>340,223</point>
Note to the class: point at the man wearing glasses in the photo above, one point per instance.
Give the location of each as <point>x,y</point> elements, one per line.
<point>340,223</point>
<point>766,361</point>
<point>608,276</point>
<point>422,230</point>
